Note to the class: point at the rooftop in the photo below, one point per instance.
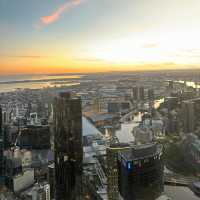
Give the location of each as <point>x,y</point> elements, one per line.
<point>141,151</point>
<point>102,117</point>
<point>89,128</point>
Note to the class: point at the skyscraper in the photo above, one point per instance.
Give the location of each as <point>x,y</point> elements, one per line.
<point>188,116</point>
<point>141,172</point>
<point>171,85</point>
<point>151,94</point>
<point>141,93</point>
<point>135,93</point>
<point>1,149</point>
<point>68,147</point>
<point>138,93</point>
<point>112,170</point>
<point>34,137</point>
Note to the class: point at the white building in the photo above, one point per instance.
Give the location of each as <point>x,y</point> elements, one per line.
<point>23,181</point>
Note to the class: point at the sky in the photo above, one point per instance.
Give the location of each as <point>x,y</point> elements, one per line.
<point>57,36</point>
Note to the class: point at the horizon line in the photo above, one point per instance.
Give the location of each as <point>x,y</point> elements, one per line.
<point>96,72</point>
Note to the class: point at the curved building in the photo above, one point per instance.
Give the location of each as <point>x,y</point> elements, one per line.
<point>140,171</point>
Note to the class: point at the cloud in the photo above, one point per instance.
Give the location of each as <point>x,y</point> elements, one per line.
<point>23,56</point>
<point>49,19</point>
<point>88,60</point>
<point>150,45</point>
<point>190,53</point>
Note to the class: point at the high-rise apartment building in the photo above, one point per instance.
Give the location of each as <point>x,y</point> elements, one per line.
<point>135,93</point>
<point>112,170</point>
<point>68,147</point>
<point>138,93</point>
<point>34,137</point>
<point>171,85</point>
<point>188,116</point>
<point>141,93</point>
<point>96,105</point>
<point>151,95</point>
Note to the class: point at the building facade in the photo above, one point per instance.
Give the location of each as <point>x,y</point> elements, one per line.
<point>68,147</point>
<point>112,169</point>
<point>192,151</point>
<point>151,95</point>
<point>141,172</point>
<point>191,115</point>
<point>2,161</point>
<point>34,137</point>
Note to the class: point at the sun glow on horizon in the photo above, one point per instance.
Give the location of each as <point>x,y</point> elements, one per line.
<point>68,36</point>
<point>177,48</point>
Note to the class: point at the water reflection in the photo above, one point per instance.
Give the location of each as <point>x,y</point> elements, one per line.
<point>11,83</point>
<point>40,85</point>
<point>125,134</point>
<point>11,78</point>
<point>190,84</point>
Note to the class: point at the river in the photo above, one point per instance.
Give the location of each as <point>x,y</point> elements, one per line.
<point>189,83</point>
<point>124,134</point>
<point>11,83</point>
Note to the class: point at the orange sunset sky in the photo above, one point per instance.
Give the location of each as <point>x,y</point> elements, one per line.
<point>57,36</point>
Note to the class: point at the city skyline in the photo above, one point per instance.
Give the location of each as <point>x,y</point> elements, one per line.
<point>64,36</point>
<point>102,138</point>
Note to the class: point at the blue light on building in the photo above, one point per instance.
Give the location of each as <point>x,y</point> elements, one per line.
<point>129,165</point>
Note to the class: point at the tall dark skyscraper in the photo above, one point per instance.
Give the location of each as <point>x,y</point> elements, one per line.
<point>190,115</point>
<point>151,94</point>
<point>135,93</point>
<point>138,93</point>
<point>68,147</point>
<point>1,148</point>
<point>141,172</point>
<point>171,85</point>
<point>141,93</point>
